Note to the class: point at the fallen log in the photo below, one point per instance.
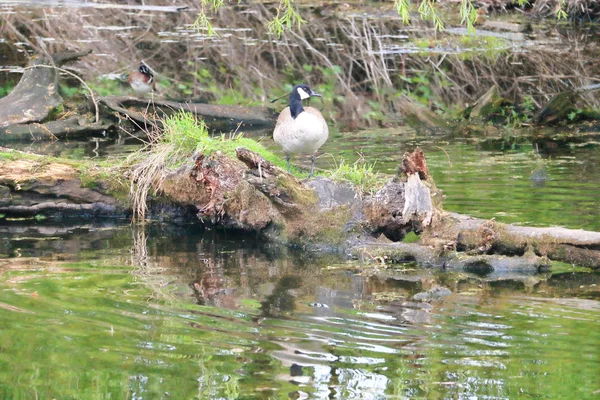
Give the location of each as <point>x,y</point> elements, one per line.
<point>36,96</point>
<point>421,117</point>
<point>71,128</point>
<point>145,112</point>
<point>250,193</point>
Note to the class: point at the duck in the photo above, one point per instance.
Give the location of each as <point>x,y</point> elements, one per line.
<point>142,80</point>
<point>301,129</point>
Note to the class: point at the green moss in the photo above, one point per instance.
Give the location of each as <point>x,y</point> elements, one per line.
<point>5,90</point>
<point>107,174</point>
<point>187,135</point>
<point>107,87</point>
<point>56,112</point>
<point>8,156</point>
<point>561,268</point>
<point>111,179</point>
<point>333,232</point>
<point>410,237</point>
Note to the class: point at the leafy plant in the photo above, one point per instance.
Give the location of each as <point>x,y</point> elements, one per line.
<point>287,17</point>
<point>573,115</point>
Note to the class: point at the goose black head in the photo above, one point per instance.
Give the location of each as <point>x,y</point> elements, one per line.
<point>299,93</point>
<point>303,92</point>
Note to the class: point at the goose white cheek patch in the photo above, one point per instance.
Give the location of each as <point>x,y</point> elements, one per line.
<point>303,94</point>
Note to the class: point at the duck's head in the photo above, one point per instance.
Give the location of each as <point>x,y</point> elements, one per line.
<point>145,70</point>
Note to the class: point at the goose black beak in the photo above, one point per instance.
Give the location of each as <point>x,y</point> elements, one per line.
<point>313,93</point>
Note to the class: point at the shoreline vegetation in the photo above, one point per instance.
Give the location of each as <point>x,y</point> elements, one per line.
<point>364,59</point>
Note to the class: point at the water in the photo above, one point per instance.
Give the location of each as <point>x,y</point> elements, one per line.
<point>99,311</point>
<point>102,312</point>
<point>531,183</point>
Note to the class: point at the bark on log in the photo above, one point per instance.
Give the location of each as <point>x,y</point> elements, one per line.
<point>217,117</point>
<point>35,187</point>
<point>419,117</point>
<point>72,128</point>
<point>36,95</point>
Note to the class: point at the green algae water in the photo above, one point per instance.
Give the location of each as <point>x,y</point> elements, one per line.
<point>165,312</point>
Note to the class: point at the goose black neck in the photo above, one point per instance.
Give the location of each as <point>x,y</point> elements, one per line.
<point>295,104</point>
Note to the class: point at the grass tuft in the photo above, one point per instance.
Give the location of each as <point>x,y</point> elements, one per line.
<point>167,149</point>
<point>360,173</point>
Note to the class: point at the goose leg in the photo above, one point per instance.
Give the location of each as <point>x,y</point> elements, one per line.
<point>312,165</point>
<point>287,158</point>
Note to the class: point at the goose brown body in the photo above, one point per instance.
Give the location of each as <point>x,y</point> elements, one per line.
<point>301,129</point>
<point>304,134</point>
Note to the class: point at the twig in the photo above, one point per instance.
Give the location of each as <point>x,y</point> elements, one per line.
<point>447,155</point>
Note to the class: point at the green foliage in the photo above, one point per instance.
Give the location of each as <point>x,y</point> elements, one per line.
<point>360,173</point>
<point>285,18</point>
<point>482,45</point>
<point>68,91</point>
<point>203,22</point>
<point>410,237</point>
<point>574,115</point>
<point>5,90</point>
<point>403,9</point>
<point>468,15</point>
<point>418,87</point>
<point>428,12</point>
<point>560,12</point>
<point>106,87</point>
<point>522,114</point>
<point>183,132</point>
<point>56,112</point>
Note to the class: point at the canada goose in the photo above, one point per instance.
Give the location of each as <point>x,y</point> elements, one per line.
<point>301,129</point>
<point>142,80</point>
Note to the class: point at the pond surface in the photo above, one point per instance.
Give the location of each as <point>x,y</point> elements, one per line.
<point>99,311</point>
<point>533,182</point>
<point>164,312</point>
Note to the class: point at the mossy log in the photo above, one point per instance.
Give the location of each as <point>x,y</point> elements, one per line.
<point>36,187</point>
<point>562,108</point>
<point>488,106</point>
<point>249,193</point>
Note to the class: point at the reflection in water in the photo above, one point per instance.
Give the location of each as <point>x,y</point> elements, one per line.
<point>151,310</point>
